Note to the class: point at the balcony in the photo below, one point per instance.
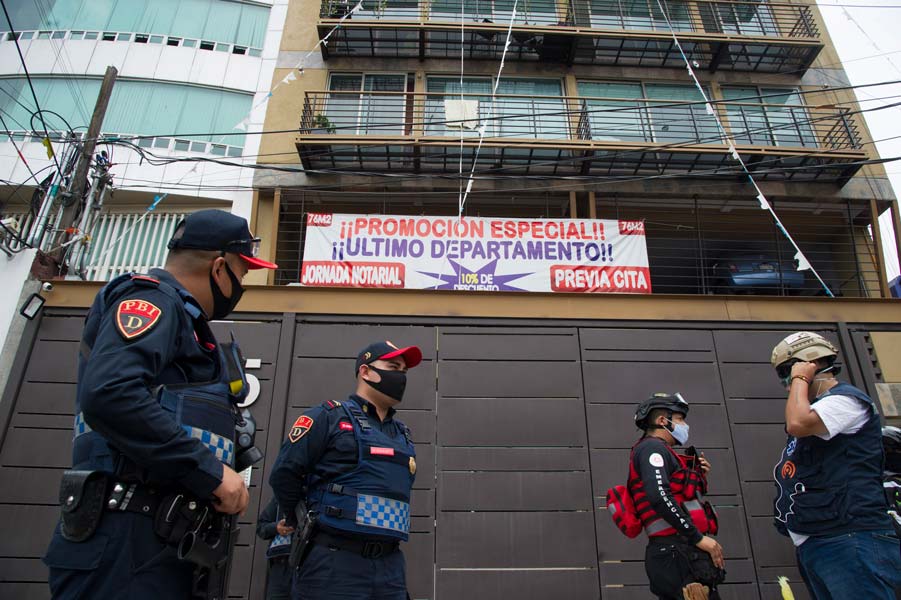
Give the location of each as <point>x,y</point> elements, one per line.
<point>552,135</point>
<point>741,36</point>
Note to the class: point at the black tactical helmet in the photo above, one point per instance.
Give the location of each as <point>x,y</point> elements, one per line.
<point>672,402</point>
<point>891,443</point>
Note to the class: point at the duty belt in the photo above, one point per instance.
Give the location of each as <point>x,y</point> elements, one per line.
<point>365,548</point>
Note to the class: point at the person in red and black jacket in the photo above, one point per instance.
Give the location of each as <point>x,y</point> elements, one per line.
<point>667,489</point>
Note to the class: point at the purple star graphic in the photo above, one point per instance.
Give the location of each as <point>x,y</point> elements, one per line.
<point>452,279</point>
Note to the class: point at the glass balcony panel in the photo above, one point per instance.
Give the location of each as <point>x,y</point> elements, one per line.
<point>443,89</point>
<point>611,116</point>
<point>746,18</point>
<point>680,115</point>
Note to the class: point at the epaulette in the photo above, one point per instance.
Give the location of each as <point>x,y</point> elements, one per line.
<point>331,404</point>
<point>146,280</point>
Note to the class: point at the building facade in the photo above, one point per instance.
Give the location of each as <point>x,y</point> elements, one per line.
<point>188,74</point>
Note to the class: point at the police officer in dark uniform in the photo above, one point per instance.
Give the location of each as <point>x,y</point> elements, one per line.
<point>154,442</point>
<point>271,526</point>
<point>353,464</point>
<point>682,558</point>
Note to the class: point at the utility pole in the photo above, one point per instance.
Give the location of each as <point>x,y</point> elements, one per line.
<point>84,161</point>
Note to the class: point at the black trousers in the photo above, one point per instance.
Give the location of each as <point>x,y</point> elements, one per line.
<point>667,561</point>
<point>278,586</point>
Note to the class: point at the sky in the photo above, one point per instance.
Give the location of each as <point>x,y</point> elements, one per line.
<point>866,37</point>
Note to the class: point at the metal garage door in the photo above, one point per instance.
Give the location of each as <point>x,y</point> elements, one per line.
<point>519,431</point>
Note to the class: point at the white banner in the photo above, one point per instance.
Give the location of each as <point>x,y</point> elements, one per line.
<point>476,254</point>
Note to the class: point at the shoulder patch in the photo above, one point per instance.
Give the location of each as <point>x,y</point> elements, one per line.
<point>656,460</point>
<point>135,317</point>
<point>300,428</point>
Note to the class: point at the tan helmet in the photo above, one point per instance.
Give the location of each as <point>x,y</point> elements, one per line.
<point>803,345</point>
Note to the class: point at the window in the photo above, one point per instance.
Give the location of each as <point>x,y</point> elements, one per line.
<point>239,50</point>
<point>58,35</point>
<point>365,104</point>
<point>188,43</point>
<point>91,35</point>
<point>615,112</point>
<point>242,23</point>
<point>141,38</point>
<point>541,12</point>
<point>639,14</point>
<point>198,147</point>
<point>217,149</point>
<point>123,37</point>
<point>182,145</point>
<point>161,143</point>
<point>256,52</point>
<point>76,35</point>
<point>530,108</point>
<point>648,112</point>
<point>108,36</point>
<point>234,151</point>
<point>25,35</point>
<point>769,117</point>
<point>207,45</point>
<point>44,35</point>
<point>221,47</point>
<point>140,243</point>
<point>746,18</point>
<point>156,39</point>
<point>145,142</point>
<point>141,108</point>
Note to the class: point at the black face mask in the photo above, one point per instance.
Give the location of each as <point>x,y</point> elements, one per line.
<point>223,306</point>
<point>393,383</point>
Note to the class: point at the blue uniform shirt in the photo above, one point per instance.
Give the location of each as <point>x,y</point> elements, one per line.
<point>327,448</point>
<point>117,379</point>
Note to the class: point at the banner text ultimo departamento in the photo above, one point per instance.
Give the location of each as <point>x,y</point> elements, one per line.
<point>460,239</point>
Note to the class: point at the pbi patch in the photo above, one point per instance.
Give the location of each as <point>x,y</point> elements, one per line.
<point>136,317</point>
<point>300,428</point>
<point>788,470</point>
<point>381,451</point>
<point>345,426</point>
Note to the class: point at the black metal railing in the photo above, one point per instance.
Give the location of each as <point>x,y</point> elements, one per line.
<point>574,119</point>
<point>759,19</point>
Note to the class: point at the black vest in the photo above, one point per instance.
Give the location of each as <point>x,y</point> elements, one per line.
<point>826,488</point>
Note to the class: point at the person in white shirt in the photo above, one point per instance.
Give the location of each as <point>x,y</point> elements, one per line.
<point>829,497</point>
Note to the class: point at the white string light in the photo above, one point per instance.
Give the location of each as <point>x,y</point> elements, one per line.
<point>803,263</point>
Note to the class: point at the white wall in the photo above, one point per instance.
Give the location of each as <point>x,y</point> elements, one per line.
<point>13,273</point>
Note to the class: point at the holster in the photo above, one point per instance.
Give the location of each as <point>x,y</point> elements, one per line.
<point>82,497</point>
<point>302,542</point>
<point>177,515</point>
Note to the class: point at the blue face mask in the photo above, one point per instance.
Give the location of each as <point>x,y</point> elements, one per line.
<point>680,432</point>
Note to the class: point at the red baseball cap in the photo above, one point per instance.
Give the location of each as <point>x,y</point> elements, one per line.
<point>385,351</point>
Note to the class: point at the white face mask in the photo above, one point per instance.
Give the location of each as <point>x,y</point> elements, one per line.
<point>680,432</point>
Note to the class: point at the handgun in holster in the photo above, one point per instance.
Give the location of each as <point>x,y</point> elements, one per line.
<point>302,541</point>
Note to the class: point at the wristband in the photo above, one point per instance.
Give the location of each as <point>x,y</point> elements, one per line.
<point>802,378</point>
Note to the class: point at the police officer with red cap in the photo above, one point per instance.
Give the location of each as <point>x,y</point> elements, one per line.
<point>155,457</point>
<point>351,465</point>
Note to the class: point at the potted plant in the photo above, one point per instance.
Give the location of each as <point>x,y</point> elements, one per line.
<point>321,124</point>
